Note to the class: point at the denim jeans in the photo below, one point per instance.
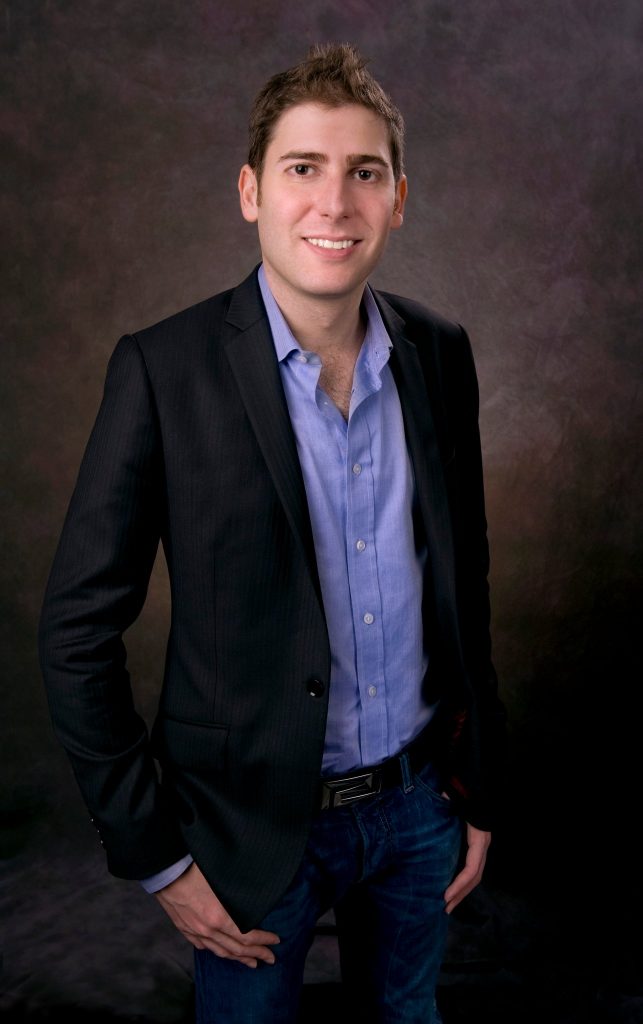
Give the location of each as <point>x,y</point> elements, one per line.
<point>383,863</point>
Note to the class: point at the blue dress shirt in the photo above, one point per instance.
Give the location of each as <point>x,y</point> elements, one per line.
<point>359,485</point>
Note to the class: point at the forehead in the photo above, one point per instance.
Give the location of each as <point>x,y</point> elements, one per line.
<point>315,127</point>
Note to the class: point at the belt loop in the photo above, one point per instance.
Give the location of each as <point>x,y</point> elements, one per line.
<point>407,779</point>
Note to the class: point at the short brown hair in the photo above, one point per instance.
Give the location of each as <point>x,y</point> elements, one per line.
<point>333,75</point>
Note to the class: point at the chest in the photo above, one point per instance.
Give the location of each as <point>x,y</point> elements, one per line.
<point>336,380</point>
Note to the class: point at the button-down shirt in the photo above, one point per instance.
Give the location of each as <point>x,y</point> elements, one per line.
<point>360,489</point>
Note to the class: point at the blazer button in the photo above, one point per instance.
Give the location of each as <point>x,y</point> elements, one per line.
<point>315,687</point>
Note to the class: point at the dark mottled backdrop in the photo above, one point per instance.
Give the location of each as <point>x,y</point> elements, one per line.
<point>123,131</point>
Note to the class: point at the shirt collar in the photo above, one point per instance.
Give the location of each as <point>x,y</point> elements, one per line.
<point>375,348</point>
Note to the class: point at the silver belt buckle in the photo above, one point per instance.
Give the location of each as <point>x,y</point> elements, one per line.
<point>337,792</point>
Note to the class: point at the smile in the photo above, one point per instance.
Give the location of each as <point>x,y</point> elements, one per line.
<point>326,243</point>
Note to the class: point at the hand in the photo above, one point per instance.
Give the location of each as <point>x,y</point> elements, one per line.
<point>201,918</point>
<point>469,877</point>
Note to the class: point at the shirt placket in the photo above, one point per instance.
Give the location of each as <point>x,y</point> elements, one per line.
<point>365,595</point>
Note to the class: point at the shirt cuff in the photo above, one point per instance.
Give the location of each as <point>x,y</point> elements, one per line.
<point>156,882</point>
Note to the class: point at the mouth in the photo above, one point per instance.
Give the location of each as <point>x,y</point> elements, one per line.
<point>330,243</point>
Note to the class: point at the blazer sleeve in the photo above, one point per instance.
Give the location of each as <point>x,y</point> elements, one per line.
<point>96,589</point>
<point>486,729</point>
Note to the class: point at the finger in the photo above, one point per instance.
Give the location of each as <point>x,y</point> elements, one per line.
<point>461,881</point>
<point>249,957</point>
<point>219,951</point>
<point>263,953</point>
<point>464,883</point>
<point>229,948</point>
<point>218,926</point>
<point>222,923</point>
<point>255,943</point>
<point>471,873</point>
<point>457,897</point>
<point>258,938</point>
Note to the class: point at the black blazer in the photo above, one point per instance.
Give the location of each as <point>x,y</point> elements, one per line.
<point>193,445</point>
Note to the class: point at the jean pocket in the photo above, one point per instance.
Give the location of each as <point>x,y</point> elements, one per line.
<point>428,779</point>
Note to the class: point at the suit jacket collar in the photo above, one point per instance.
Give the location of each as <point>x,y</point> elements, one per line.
<point>251,353</point>
<point>252,356</point>
<point>421,402</point>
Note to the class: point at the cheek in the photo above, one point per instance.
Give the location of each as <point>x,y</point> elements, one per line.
<point>291,210</point>
<point>384,221</point>
<point>279,223</point>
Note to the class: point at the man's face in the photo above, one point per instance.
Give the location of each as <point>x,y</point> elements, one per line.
<point>328,200</point>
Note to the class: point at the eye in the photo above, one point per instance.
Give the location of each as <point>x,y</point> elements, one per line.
<point>364,174</point>
<point>302,170</point>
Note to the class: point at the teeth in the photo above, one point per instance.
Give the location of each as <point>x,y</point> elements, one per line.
<point>326,243</point>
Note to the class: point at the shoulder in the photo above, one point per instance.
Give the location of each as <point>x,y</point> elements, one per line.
<point>442,346</point>
<point>205,323</point>
<point>419,320</point>
<point>187,325</point>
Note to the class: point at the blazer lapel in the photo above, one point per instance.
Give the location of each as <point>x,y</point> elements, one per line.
<point>250,351</point>
<point>420,403</point>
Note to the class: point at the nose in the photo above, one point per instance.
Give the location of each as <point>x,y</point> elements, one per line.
<point>334,198</point>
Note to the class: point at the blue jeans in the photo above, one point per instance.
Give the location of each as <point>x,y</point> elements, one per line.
<point>384,864</point>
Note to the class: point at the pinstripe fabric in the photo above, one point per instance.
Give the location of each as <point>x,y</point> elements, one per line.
<point>193,445</point>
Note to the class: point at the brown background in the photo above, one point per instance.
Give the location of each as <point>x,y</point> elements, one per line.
<point>124,129</point>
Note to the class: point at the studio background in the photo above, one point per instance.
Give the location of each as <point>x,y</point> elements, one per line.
<point>124,128</point>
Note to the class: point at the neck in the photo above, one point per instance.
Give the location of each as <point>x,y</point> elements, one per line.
<point>321,325</point>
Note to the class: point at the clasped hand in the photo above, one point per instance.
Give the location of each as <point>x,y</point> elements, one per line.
<point>201,918</point>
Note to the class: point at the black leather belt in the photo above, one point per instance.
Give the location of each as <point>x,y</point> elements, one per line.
<point>337,791</point>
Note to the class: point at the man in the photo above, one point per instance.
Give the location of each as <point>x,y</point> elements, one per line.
<point>307,450</point>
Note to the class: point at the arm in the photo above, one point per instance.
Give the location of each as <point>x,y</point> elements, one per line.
<point>484,742</point>
<point>488,740</point>
<point>96,590</point>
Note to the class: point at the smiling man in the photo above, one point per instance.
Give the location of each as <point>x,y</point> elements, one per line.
<point>329,732</point>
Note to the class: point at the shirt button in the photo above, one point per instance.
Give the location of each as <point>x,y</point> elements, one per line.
<point>357,469</point>
<point>368,618</point>
<point>372,691</point>
<point>301,358</point>
<point>360,545</point>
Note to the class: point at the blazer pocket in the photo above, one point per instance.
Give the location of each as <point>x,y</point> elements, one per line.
<point>200,745</point>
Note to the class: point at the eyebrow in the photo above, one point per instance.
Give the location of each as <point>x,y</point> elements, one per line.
<point>352,160</point>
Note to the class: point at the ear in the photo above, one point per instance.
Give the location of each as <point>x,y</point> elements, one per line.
<point>401,192</point>
<point>248,193</point>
